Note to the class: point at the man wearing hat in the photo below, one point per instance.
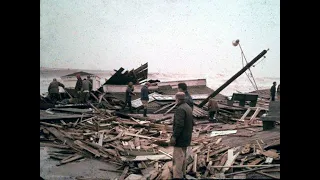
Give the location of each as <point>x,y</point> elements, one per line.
<point>53,90</point>
<point>181,136</point>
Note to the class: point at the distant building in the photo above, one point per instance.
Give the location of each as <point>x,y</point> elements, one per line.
<point>70,80</point>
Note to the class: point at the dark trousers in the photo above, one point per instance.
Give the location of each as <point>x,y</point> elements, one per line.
<point>273,98</point>
<point>128,102</point>
<point>54,97</point>
<point>211,114</point>
<point>86,96</point>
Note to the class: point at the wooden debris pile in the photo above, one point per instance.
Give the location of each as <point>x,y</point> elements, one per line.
<point>139,146</point>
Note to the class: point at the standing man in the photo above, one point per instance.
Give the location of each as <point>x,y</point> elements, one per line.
<point>273,91</point>
<point>78,86</point>
<point>91,83</point>
<point>53,90</point>
<point>181,137</point>
<point>145,98</point>
<point>129,94</point>
<point>182,87</point>
<point>213,109</point>
<point>278,92</point>
<point>85,90</point>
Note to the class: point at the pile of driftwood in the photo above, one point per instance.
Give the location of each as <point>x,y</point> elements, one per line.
<point>139,146</point>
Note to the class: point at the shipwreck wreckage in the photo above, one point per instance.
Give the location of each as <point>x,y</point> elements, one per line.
<point>161,95</point>
<point>99,129</point>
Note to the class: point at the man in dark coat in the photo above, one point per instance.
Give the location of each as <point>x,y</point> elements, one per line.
<point>129,94</point>
<point>78,86</point>
<point>53,90</point>
<point>182,87</point>
<point>85,90</point>
<point>181,137</point>
<point>273,91</point>
<point>145,98</point>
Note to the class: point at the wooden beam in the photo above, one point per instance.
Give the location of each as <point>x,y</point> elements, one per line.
<point>52,125</point>
<point>146,158</point>
<point>170,109</point>
<point>124,173</point>
<point>245,114</point>
<point>164,107</point>
<point>243,166</point>
<point>219,151</point>
<point>195,161</point>
<point>231,159</point>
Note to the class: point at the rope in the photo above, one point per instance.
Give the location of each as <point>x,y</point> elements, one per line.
<point>253,82</point>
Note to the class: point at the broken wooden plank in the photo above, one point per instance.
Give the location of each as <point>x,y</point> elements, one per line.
<point>111,170</point>
<point>54,145</point>
<point>231,159</point>
<point>113,118</point>
<point>162,119</point>
<point>165,154</point>
<point>259,145</point>
<point>170,109</point>
<point>166,174</point>
<point>164,107</point>
<point>52,125</point>
<point>218,141</point>
<point>255,114</point>
<point>207,170</point>
<point>219,151</point>
<point>101,139</point>
<point>224,158</point>
<point>245,171</point>
<point>140,136</point>
<point>208,154</point>
<point>61,137</point>
<point>71,159</point>
<point>245,114</point>
<point>256,161</point>
<point>243,166</point>
<point>146,158</point>
<point>124,173</point>
<point>84,146</point>
<point>140,131</point>
<point>271,154</point>
<point>195,161</point>
<point>63,122</point>
<point>115,138</point>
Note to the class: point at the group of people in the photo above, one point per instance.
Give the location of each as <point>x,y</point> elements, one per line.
<point>182,122</point>
<point>83,89</point>
<point>274,91</point>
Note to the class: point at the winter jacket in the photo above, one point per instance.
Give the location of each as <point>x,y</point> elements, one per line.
<point>183,125</point>
<point>144,93</point>
<point>54,87</point>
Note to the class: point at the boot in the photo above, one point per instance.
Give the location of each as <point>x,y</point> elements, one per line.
<point>145,113</point>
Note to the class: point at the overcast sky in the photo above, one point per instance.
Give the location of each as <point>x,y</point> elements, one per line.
<point>171,35</point>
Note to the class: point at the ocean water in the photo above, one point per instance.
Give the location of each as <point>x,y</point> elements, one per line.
<point>214,81</point>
